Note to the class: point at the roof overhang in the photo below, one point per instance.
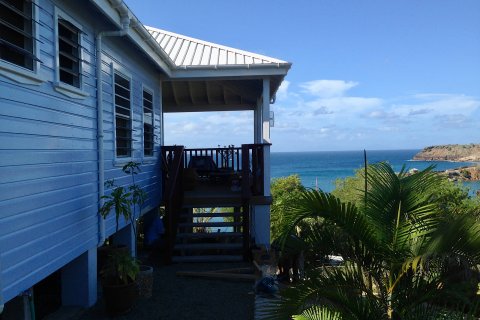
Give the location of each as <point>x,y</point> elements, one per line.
<point>200,75</point>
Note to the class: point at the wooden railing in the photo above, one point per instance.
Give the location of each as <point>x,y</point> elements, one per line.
<point>226,157</point>
<point>253,170</point>
<point>247,160</point>
<point>173,159</point>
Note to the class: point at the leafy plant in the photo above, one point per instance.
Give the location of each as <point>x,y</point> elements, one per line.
<point>122,199</point>
<point>285,193</point>
<point>121,268</point>
<point>118,200</point>
<point>405,257</point>
<point>138,195</point>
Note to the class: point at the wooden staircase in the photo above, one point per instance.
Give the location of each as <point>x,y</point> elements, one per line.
<point>207,234</point>
<point>211,223</point>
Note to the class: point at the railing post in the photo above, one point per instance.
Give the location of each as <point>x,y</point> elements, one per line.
<point>246,191</point>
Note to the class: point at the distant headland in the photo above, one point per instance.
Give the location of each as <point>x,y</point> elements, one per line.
<point>455,153</point>
<point>450,152</point>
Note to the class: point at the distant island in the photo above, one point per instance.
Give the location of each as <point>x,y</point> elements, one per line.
<point>450,152</point>
<point>456,153</point>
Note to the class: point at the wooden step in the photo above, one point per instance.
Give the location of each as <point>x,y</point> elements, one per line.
<point>205,235</point>
<point>215,214</point>
<point>209,258</point>
<point>212,202</point>
<point>208,246</point>
<point>209,224</point>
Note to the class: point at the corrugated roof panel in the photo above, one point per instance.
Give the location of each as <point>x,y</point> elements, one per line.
<point>181,53</point>
<point>206,55</point>
<point>231,58</point>
<point>197,56</point>
<point>164,40</point>
<point>168,47</point>
<point>240,59</point>
<point>222,56</point>
<point>189,54</point>
<point>176,47</point>
<point>214,56</point>
<point>195,52</point>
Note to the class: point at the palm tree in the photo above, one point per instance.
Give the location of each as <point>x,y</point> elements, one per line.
<point>405,258</point>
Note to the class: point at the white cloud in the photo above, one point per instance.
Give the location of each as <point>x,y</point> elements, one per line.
<point>282,92</point>
<point>327,88</point>
<point>209,129</point>
<point>321,115</point>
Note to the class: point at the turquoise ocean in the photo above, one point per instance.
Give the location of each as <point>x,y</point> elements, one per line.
<point>321,169</point>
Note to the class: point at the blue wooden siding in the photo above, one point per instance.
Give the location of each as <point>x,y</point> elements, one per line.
<point>116,58</point>
<point>48,157</point>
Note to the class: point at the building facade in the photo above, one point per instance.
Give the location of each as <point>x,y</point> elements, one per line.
<point>83,89</point>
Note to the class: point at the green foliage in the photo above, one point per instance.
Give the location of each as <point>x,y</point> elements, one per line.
<point>351,189</point>
<point>118,200</point>
<point>406,256</point>
<point>121,268</point>
<point>285,192</point>
<point>448,195</point>
<point>121,200</point>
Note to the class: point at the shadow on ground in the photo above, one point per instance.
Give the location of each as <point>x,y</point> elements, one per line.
<point>188,298</point>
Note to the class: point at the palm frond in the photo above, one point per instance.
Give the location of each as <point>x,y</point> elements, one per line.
<point>342,290</point>
<point>318,313</point>
<point>317,204</point>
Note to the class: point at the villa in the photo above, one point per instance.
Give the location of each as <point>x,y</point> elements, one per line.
<point>84,87</point>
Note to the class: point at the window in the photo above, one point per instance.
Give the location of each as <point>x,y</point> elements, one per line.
<point>123,117</point>
<point>68,53</point>
<point>16,33</point>
<point>147,123</point>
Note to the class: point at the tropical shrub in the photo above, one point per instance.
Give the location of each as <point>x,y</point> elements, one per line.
<point>405,257</point>
<point>285,192</point>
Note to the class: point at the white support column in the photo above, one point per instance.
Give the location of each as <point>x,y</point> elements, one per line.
<point>266,111</point>
<point>79,280</point>
<point>266,135</point>
<point>257,122</point>
<point>262,212</point>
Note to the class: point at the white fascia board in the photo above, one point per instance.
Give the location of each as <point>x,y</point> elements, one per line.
<point>229,72</point>
<point>114,16</point>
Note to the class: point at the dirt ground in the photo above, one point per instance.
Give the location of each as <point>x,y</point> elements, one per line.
<point>187,297</point>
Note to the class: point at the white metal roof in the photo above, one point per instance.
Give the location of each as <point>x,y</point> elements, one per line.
<point>190,52</point>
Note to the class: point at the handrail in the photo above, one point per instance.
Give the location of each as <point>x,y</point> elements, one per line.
<point>172,157</point>
<point>175,169</point>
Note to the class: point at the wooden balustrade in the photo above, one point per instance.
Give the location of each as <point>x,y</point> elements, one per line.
<point>226,157</point>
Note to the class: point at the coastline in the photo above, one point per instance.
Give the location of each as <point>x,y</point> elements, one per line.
<point>323,168</point>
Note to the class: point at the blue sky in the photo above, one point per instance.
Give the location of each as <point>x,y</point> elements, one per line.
<point>370,74</point>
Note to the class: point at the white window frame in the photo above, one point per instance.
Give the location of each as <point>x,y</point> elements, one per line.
<point>65,88</point>
<point>152,156</point>
<point>18,73</point>
<point>119,160</point>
